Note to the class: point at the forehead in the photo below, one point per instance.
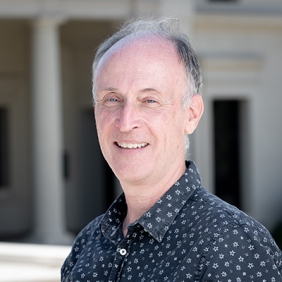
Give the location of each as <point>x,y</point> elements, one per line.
<point>147,62</point>
<point>146,49</point>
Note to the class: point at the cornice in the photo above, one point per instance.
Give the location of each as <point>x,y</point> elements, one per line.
<point>234,21</point>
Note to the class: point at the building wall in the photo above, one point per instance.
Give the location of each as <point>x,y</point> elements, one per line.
<point>16,195</point>
<point>241,57</point>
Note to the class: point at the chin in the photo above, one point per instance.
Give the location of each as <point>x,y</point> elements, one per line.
<point>131,175</point>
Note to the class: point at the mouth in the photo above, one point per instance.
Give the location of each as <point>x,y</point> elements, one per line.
<point>131,145</point>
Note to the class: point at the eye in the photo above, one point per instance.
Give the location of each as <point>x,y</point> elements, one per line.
<point>112,99</point>
<point>150,101</point>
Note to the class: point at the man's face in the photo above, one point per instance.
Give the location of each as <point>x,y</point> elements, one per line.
<point>140,121</point>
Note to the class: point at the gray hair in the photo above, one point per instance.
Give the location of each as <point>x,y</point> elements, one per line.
<point>169,29</point>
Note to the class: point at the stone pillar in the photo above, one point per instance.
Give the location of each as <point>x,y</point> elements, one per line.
<point>49,212</point>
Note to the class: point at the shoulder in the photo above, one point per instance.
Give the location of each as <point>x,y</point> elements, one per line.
<point>221,213</point>
<point>85,237</point>
<point>238,245</point>
<point>242,252</point>
<point>217,218</point>
<point>89,232</point>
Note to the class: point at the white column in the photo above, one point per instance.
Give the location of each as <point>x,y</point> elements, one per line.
<point>47,134</point>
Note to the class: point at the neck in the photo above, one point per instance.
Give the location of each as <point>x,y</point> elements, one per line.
<point>140,198</point>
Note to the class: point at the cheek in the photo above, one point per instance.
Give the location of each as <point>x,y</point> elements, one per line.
<point>176,129</point>
<point>103,119</point>
<point>173,118</point>
<point>102,132</point>
<point>166,122</point>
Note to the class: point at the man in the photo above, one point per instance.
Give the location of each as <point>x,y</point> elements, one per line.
<point>165,227</point>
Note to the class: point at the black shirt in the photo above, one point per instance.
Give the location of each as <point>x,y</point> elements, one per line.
<point>188,235</point>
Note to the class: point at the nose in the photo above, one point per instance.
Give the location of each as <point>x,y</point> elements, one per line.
<point>128,118</point>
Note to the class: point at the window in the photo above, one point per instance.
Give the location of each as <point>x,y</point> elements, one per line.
<point>3,147</point>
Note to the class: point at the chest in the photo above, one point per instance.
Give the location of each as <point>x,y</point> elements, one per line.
<point>139,257</point>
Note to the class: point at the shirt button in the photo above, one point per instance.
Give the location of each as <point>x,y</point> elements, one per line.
<point>122,252</point>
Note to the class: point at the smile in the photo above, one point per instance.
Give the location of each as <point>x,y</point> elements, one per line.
<point>131,145</point>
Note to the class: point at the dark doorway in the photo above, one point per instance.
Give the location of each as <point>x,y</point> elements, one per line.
<point>3,147</point>
<point>227,150</point>
<point>94,189</point>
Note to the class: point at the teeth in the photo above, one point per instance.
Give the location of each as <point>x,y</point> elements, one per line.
<point>132,145</point>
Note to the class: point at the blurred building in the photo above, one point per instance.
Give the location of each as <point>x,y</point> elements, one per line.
<point>53,179</point>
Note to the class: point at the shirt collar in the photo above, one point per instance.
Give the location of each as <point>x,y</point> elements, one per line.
<point>159,218</point>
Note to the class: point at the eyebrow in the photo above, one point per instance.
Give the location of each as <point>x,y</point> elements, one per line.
<point>149,89</point>
<point>109,89</point>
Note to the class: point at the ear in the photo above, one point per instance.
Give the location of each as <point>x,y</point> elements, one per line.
<point>195,109</point>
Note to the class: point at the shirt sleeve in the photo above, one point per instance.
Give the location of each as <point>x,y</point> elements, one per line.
<point>242,254</point>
